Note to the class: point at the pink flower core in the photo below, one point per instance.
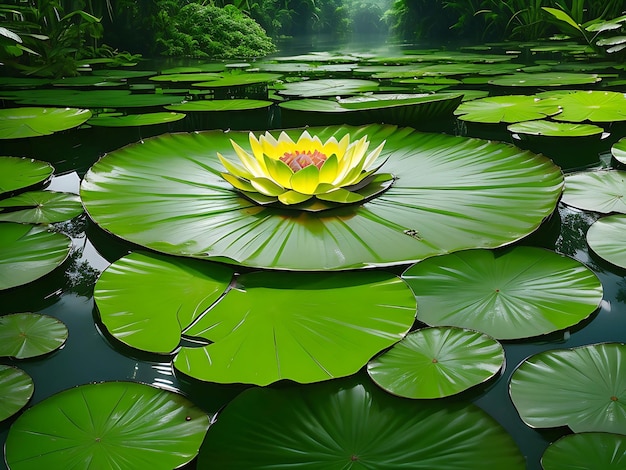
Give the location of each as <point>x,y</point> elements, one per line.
<point>297,160</point>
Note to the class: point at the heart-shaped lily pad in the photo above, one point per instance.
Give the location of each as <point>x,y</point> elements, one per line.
<point>509,109</point>
<point>598,191</point>
<point>16,388</point>
<point>28,252</point>
<point>40,207</point>
<point>437,362</point>
<point>16,123</point>
<point>583,388</point>
<point>588,105</point>
<point>513,293</point>
<point>24,335</point>
<point>607,238</point>
<point>18,173</point>
<point>588,450</point>
<point>343,424</point>
<point>107,425</point>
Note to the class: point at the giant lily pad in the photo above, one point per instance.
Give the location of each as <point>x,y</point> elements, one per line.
<point>239,79</point>
<point>269,326</point>
<point>220,105</point>
<point>28,252</point>
<point>40,207</point>
<point>589,451</point>
<point>545,79</point>
<point>17,123</point>
<point>134,120</point>
<point>515,293</point>
<point>437,362</point>
<point>328,87</point>
<point>607,238</point>
<point>18,173</point>
<point>347,425</point>
<point>583,388</point>
<point>598,191</point>
<point>451,193</point>
<point>24,335</point>
<point>560,130</point>
<point>16,388</point>
<point>107,425</point>
<point>90,99</point>
<point>587,105</point>
<point>509,109</point>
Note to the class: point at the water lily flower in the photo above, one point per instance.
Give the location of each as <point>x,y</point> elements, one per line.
<point>294,172</point>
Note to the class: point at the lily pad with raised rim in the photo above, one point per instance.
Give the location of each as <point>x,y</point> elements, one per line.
<point>40,207</point>
<point>18,172</point>
<point>28,252</point>
<point>16,388</point>
<point>607,238</point>
<point>24,335</point>
<point>599,191</point>
<point>107,425</point>
<point>508,109</point>
<point>343,424</point>
<point>561,130</point>
<point>583,388</point>
<point>220,105</point>
<point>546,79</point>
<point>588,105</point>
<point>589,451</point>
<point>134,120</point>
<point>513,293</point>
<point>437,362</point>
<point>239,79</point>
<point>452,193</point>
<point>17,123</point>
<point>328,87</point>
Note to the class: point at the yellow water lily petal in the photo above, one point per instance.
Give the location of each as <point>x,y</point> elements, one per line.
<point>341,195</point>
<point>354,156</point>
<point>324,188</point>
<point>238,183</point>
<point>249,161</point>
<point>332,147</point>
<point>374,154</point>
<point>234,169</point>
<point>306,180</point>
<point>293,197</point>
<point>306,143</point>
<point>279,172</point>
<point>329,169</point>
<point>276,148</point>
<point>267,186</point>
<point>257,149</point>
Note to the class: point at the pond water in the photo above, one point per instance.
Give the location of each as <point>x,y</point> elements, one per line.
<point>91,355</point>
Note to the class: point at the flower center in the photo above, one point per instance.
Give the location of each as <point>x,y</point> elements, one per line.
<point>298,160</point>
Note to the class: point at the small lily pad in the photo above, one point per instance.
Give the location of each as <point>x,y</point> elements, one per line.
<point>18,173</point>
<point>437,362</point>
<point>545,79</point>
<point>239,79</point>
<point>108,425</point>
<point>555,129</point>
<point>509,109</point>
<point>40,207</point>
<point>16,123</point>
<point>618,150</point>
<point>607,238</point>
<point>28,252</point>
<point>16,388</point>
<point>599,191</point>
<point>24,335</point>
<point>588,450</point>
<point>186,77</point>
<point>515,293</point>
<point>134,120</point>
<point>583,388</point>
<point>220,105</point>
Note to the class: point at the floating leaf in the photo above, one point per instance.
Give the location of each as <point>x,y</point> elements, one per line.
<point>16,388</point>
<point>134,120</point>
<point>107,425</point>
<point>328,87</point>
<point>618,150</point>
<point>90,99</point>
<point>239,79</point>
<point>594,106</point>
<point>607,238</point>
<point>589,451</point>
<point>512,108</point>
<point>343,425</point>
<point>28,252</point>
<point>40,207</point>
<point>16,123</point>
<point>516,293</point>
<point>555,129</point>
<point>220,105</point>
<point>18,173</point>
<point>583,388</point>
<point>24,335</point>
<point>545,79</point>
<point>599,191</point>
<point>437,362</point>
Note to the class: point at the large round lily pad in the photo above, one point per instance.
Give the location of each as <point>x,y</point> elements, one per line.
<point>107,425</point>
<point>27,252</point>
<point>220,105</point>
<point>515,293</point>
<point>588,105</point>
<point>18,173</point>
<point>607,238</point>
<point>437,362</point>
<point>328,87</point>
<point>509,109</point>
<point>598,191</point>
<point>17,123</point>
<point>588,450</point>
<point>40,207</point>
<point>348,425</point>
<point>305,327</point>
<point>555,129</point>
<point>583,388</point>
<point>16,388</point>
<point>24,335</point>
<point>451,193</point>
<point>134,120</point>
<point>545,79</point>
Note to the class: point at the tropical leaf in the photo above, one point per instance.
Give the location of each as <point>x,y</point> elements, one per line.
<point>107,425</point>
<point>347,425</point>
<point>514,293</point>
<point>16,123</point>
<point>16,388</point>
<point>607,238</point>
<point>589,450</point>
<point>583,388</point>
<point>134,120</point>
<point>509,109</point>
<point>40,207</point>
<point>24,335</point>
<point>28,252</point>
<point>452,193</point>
<point>598,191</point>
<point>437,362</point>
<point>18,173</point>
